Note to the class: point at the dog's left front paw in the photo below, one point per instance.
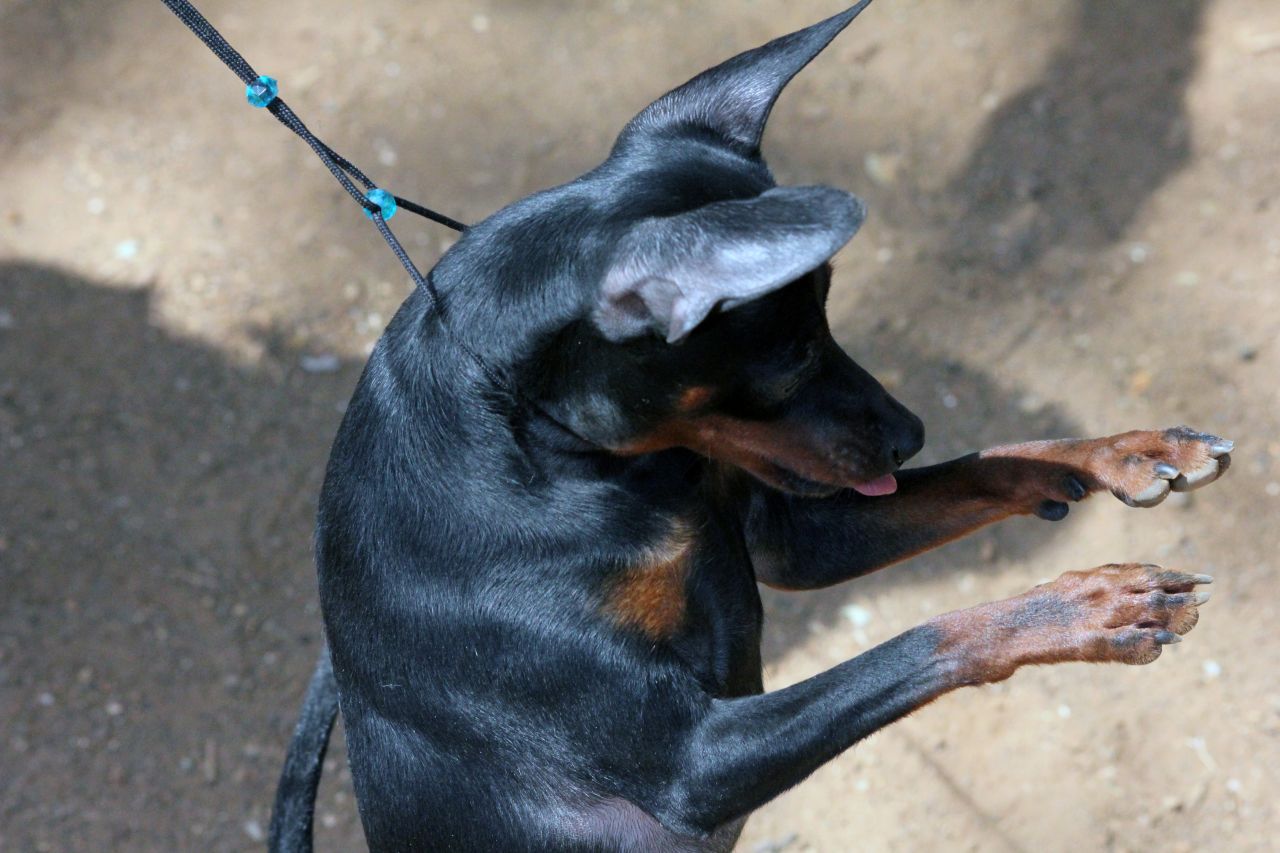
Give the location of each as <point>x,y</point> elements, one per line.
<point>1141,468</point>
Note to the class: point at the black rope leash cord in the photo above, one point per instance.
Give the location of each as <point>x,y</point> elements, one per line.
<point>379,205</point>
<point>261,91</point>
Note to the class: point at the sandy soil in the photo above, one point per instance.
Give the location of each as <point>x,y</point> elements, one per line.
<point>1075,230</point>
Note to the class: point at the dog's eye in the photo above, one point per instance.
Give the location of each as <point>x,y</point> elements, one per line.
<point>783,389</point>
<point>784,384</point>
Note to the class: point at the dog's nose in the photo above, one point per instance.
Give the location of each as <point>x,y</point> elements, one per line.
<point>907,439</point>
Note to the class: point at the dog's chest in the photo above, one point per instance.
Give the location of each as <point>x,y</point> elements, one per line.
<point>691,590</point>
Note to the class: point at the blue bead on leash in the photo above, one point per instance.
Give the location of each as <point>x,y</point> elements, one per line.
<point>263,91</point>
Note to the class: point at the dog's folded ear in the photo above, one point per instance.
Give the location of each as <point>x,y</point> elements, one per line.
<point>734,99</point>
<point>668,273</point>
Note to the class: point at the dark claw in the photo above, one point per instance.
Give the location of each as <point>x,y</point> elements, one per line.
<point>1202,578</point>
<point>1165,471</point>
<point>1167,638</point>
<point>1052,510</point>
<point>1075,489</point>
<point>1222,446</point>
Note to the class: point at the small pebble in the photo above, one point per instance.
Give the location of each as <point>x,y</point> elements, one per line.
<point>127,249</point>
<point>45,699</point>
<point>1064,711</point>
<point>321,363</point>
<point>480,23</point>
<point>1273,489</point>
<point>6,319</point>
<point>857,615</point>
<point>114,709</point>
<point>1201,749</point>
<point>882,168</point>
<point>1139,252</point>
<point>1211,668</point>
<point>253,829</point>
<point>95,206</point>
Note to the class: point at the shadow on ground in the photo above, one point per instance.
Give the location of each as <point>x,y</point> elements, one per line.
<point>1071,160</point>
<point>159,598</point>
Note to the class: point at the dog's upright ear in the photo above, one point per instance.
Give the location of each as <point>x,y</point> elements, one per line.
<point>734,99</point>
<point>669,272</point>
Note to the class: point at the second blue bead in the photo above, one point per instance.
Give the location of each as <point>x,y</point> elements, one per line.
<point>385,201</point>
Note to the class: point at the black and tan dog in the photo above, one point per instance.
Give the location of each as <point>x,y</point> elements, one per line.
<point>555,491</point>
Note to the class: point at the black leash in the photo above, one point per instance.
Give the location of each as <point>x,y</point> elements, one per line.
<point>261,91</point>
<point>379,205</point>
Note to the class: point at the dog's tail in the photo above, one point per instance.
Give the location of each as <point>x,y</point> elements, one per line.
<point>296,794</point>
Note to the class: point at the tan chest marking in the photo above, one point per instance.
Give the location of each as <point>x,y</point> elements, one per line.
<point>649,596</point>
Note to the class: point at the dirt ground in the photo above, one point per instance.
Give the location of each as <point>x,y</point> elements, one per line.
<point>1074,230</point>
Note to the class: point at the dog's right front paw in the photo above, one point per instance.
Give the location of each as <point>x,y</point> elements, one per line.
<point>1141,467</point>
<point>1148,465</point>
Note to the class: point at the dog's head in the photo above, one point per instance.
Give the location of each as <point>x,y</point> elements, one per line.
<point>698,289</point>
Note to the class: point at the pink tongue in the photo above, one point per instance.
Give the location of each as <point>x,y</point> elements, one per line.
<point>885,485</point>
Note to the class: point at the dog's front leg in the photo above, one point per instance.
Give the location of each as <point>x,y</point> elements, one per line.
<point>804,543</point>
<point>749,750</point>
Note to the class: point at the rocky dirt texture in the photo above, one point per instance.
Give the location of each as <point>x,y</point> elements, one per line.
<point>1074,230</point>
